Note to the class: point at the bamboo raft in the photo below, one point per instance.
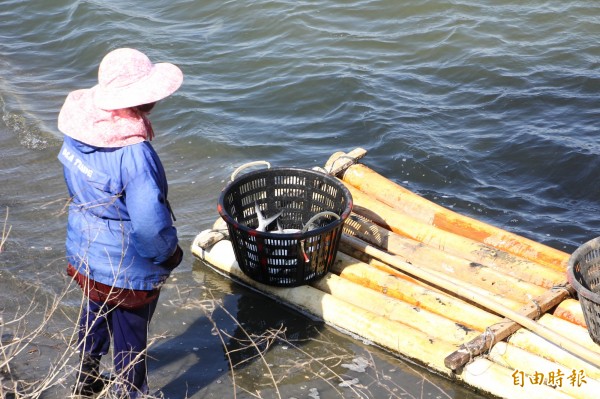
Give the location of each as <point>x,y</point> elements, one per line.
<point>467,300</point>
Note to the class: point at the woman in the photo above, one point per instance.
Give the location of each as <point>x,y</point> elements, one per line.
<point>121,243</point>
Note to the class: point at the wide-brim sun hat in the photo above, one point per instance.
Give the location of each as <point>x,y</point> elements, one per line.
<point>103,116</point>
<point>127,78</point>
<point>82,120</point>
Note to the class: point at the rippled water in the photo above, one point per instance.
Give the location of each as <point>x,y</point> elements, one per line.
<point>487,107</point>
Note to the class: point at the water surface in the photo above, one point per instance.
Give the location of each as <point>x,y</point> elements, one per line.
<point>487,107</point>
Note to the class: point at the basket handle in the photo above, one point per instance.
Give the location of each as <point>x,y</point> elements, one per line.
<point>307,226</point>
<point>247,165</point>
<point>318,216</point>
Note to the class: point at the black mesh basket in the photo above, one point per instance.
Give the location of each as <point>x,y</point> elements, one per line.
<point>583,274</point>
<point>288,253</point>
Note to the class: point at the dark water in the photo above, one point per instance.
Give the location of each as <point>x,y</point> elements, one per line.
<point>487,107</point>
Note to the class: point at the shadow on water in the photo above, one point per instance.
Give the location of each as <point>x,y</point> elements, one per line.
<point>229,341</point>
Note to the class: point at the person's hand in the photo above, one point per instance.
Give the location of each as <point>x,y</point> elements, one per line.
<point>175,259</point>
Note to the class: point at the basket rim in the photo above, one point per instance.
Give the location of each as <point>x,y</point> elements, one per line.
<point>284,236</point>
<point>573,260</point>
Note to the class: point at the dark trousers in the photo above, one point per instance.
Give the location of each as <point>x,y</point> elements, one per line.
<point>129,331</point>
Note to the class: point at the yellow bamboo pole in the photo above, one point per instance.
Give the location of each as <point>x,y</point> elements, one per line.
<point>515,300</point>
<point>398,337</point>
<point>456,287</point>
<point>393,309</point>
<point>573,331</point>
<point>570,310</point>
<point>450,243</point>
<point>492,377</point>
<point>395,336</point>
<point>513,285</point>
<point>534,343</point>
<point>416,294</point>
<point>398,197</point>
<point>539,370</point>
<point>498,332</point>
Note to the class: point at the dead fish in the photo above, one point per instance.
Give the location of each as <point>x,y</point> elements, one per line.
<point>281,230</point>
<point>264,222</point>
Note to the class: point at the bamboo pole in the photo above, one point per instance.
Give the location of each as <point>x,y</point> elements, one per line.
<point>570,310</point>
<point>459,289</point>
<point>413,292</point>
<point>451,243</point>
<point>432,324</point>
<point>417,206</point>
<point>508,301</point>
<point>499,380</point>
<point>534,343</point>
<point>395,336</point>
<point>413,343</point>
<point>540,370</point>
<point>513,284</point>
<point>499,332</point>
<point>573,331</point>
<point>398,197</point>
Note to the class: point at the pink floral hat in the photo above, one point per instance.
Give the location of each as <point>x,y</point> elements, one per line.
<point>102,116</point>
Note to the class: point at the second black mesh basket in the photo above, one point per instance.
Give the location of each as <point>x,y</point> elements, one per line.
<point>289,252</point>
<point>583,273</point>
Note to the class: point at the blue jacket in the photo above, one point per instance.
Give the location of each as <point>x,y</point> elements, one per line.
<point>120,231</point>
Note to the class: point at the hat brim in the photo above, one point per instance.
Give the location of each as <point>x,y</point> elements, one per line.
<point>164,80</point>
<point>82,120</point>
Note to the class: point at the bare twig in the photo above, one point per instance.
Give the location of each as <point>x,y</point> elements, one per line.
<point>62,368</point>
<point>209,311</point>
<point>5,231</point>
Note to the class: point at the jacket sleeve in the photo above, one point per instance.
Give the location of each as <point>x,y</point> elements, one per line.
<point>153,233</point>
